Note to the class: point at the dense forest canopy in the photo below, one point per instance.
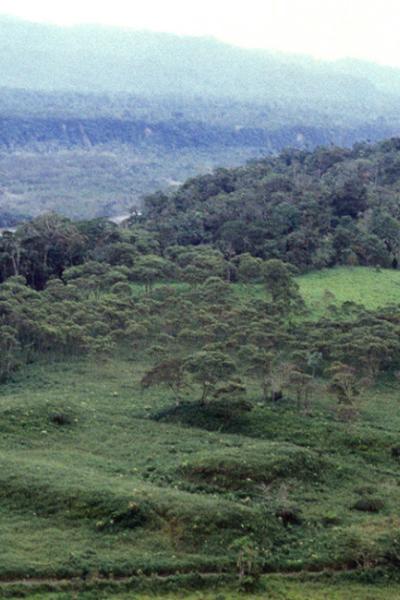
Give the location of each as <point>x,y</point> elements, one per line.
<point>311,209</point>
<point>332,206</point>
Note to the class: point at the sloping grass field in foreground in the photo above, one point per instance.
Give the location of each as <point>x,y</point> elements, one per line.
<point>95,490</point>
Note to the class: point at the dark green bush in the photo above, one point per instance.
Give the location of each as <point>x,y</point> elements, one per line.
<point>369,504</point>
<point>60,419</point>
<point>395,451</point>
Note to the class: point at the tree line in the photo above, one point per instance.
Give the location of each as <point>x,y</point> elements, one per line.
<point>201,340</point>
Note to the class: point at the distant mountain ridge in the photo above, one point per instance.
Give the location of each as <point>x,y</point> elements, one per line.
<point>94,58</point>
<point>56,133</point>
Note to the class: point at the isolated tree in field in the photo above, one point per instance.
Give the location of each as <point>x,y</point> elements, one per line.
<point>271,371</point>
<point>169,373</point>
<point>9,349</point>
<point>281,285</point>
<point>248,563</point>
<point>259,364</point>
<point>209,368</point>
<point>344,384</point>
<point>301,384</point>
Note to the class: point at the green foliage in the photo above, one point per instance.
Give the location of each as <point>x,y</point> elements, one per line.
<point>120,493</point>
<point>9,351</point>
<point>344,383</point>
<point>343,216</point>
<point>254,223</point>
<point>208,368</point>
<point>249,269</point>
<point>280,284</point>
<point>249,563</point>
<point>244,468</point>
<point>149,268</point>
<point>170,373</point>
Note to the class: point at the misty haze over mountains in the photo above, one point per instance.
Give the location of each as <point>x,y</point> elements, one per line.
<point>100,59</point>
<point>139,110</point>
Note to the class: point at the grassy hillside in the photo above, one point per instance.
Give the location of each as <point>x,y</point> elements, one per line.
<point>278,589</point>
<point>111,491</point>
<point>105,486</point>
<point>371,287</point>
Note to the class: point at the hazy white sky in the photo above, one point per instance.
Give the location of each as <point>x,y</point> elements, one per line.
<point>367,29</point>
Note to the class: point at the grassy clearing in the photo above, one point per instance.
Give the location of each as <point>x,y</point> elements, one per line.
<point>368,286</point>
<point>364,285</point>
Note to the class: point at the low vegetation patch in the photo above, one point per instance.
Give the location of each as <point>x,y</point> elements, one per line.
<point>369,504</point>
<point>244,467</point>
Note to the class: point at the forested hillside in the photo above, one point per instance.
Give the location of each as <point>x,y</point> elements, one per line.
<point>333,206</point>
<point>311,209</point>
